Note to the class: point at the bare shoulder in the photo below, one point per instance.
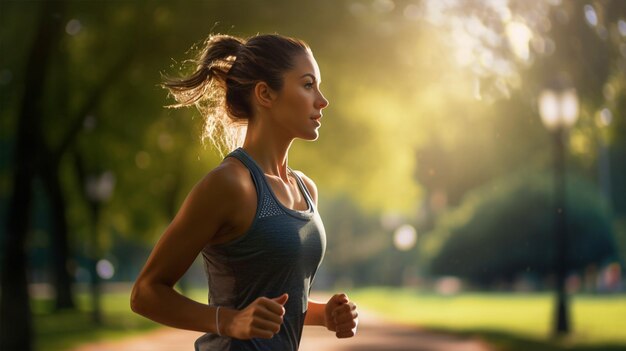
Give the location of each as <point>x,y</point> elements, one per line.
<point>213,206</point>
<point>229,183</point>
<point>308,182</point>
<point>217,202</point>
<point>219,193</point>
<point>230,176</point>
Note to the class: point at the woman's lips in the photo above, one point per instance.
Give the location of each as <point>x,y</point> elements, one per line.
<point>316,119</point>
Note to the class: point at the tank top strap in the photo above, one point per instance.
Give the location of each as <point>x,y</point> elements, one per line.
<point>268,204</point>
<point>304,188</point>
<point>255,171</point>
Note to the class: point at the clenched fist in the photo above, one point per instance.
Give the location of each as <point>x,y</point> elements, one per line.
<point>260,319</point>
<point>341,316</point>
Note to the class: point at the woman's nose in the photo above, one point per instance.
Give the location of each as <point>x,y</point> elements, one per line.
<point>322,101</point>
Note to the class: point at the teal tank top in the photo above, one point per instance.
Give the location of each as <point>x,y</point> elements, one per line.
<point>279,253</point>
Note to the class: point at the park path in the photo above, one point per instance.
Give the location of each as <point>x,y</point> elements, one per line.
<point>374,334</point>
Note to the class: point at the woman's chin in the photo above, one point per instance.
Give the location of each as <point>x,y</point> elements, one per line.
<point>315,134</point>
<point>311,136</point>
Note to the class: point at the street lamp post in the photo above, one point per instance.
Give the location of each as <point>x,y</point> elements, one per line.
<point>99,189</point>
<point>559,110</point>
<point>604,119</point>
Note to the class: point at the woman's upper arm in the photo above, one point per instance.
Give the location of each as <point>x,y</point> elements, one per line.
<point>205,210</point>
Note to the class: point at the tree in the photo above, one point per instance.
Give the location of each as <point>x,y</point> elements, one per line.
<point>504,229</point>
<point>15,317</point>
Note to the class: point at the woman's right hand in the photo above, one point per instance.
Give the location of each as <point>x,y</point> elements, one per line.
<point>260,319</point>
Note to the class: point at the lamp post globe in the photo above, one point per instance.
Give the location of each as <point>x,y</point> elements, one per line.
<point>558,108</point>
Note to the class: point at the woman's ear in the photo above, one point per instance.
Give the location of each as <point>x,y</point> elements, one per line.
<point>264,95</point>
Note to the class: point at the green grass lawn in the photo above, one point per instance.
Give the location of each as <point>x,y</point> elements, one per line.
<point>63,330</point>
<point>508,320</point>
<point>511,322</point>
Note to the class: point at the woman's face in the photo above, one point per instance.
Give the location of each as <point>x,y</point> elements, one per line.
<point>299,104</point>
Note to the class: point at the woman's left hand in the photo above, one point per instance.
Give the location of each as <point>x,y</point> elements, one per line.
<point>341,316</point>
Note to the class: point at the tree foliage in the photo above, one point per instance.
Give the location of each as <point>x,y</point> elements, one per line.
<point>506,228</point>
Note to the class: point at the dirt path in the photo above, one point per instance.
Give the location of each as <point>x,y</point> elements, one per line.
<point>374,334</point>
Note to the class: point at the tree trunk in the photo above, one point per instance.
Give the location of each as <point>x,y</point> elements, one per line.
<point>15,314</point>
<point>59,235</point>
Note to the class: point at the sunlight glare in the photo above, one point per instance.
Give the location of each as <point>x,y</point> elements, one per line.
<point>569,107</point>
<point>476,34</point>
<point>519,35</point>
<point>549,109</point>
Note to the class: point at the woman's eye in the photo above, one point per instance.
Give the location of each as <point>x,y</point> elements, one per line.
<point>308,85</point>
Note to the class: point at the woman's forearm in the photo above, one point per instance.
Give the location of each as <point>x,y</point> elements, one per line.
<point>315,314</point>
<point>163,304</point>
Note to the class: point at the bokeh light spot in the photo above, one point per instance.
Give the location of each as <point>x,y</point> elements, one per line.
<point>105,269</point>
<point>621,26</point>
<point>590,15</point>
<point>405,237</point>
<point>73,27</point>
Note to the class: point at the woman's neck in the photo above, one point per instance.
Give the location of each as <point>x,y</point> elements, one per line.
<point>269,150</point>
